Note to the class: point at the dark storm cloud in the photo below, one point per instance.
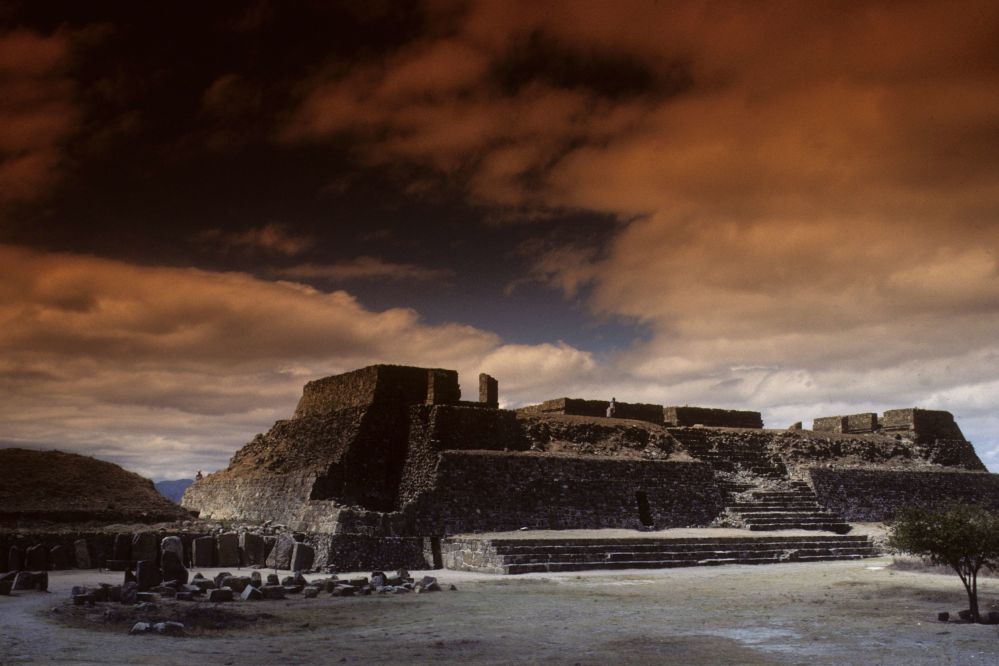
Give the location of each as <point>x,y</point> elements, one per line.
<point>797,201</point>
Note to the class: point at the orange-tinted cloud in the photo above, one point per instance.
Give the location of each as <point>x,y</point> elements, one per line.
<point>363,268</point>
<point>162,368</point>
<point>807,194</point>
<point>269,238</point>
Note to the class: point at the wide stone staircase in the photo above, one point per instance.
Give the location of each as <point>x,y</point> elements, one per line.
<point>527,555</point>
<point>758,493</point>
<point>794,508</point>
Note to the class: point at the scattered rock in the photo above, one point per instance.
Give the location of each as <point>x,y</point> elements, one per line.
<point>220,594</point>
<point>140,628</point>
<point>272,592</point>
<point>311,592</point>
<point>169,628</point>
<point>251,593</point>
<point>943,616</point>
<point>129,592</point>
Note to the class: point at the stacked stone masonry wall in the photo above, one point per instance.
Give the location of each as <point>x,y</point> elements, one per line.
<point>483,491</point>
<point>876,495</point>
<point>378,384</point>
<point>707,416</point>
<point>927,424</point>
<point>598,408</point>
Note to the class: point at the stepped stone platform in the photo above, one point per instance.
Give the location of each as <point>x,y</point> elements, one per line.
<point>588,550</point>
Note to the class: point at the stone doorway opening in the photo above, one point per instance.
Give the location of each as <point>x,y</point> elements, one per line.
<point>644,510</point>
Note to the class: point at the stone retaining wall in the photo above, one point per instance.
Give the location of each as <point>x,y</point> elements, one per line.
<point>710,417</point>
<point>875,495</point>
<point>485,490</point>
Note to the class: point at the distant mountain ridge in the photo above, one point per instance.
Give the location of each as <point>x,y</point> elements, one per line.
<point>173,490</point>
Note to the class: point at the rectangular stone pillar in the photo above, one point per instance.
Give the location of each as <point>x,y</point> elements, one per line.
<point>488,390</point>
<point>442,387</point>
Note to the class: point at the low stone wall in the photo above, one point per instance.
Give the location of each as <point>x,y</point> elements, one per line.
<point>874,495</point>
<point>576,407</point>
<point>100,544</point>
<point>852,423</point>
<point>478,491</point>
<point>353,552</point>
<point>714,418</point>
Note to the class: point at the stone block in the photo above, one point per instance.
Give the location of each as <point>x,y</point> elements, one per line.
<point>24,580</point>
<point>272,592</point>
<point>280,557</point>
<point>169,628</point>
<point>236,583</point>
<point>442,387</point>
<point>251,593</point>
<point>15,559</point>
<point>227,550</point>
<point>203,552</point>
<point>5,587</point>
<point>174,545</point>
<point>122,547</point>
<point>145,546</point>
<point>302,557</point>
<point>82,554</point>
<point>172,567</point>
<point>252,549</point>
<point>37,558</point>
<point>488,391</point>
<point>148,575</point>
<point>129,593</point>
<point>220,594</point>
<point>59,558</point>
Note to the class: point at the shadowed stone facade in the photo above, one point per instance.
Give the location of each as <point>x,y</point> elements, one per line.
<point>392,455</point>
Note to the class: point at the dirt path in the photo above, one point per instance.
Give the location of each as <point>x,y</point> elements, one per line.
<point>821,613</point>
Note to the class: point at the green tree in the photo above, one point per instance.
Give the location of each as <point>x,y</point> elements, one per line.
<point>964,537</point>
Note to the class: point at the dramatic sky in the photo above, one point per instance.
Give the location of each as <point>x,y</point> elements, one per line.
<point>784,206</point>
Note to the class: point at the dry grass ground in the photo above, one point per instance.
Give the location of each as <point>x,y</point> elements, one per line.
<point>862,612</point>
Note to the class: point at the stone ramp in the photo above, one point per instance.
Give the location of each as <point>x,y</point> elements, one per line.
<point>527,555</point>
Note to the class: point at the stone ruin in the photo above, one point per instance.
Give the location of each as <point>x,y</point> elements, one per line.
<point>382,463</point>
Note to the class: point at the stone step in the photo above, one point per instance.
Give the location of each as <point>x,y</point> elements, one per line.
<point>837,527</point>
<point>673,556</point>
<point>556,567</point>
<point>776,505</point>
<point>762,543</point>
<point>777,516</point>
